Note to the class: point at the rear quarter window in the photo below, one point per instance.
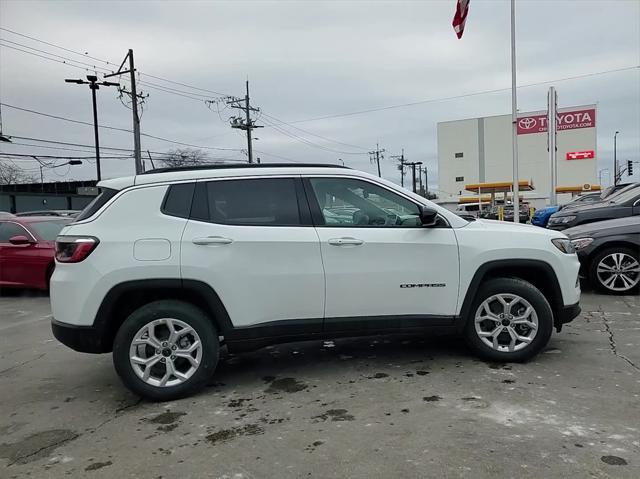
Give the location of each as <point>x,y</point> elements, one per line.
<point>98,202</point>
<point>177,201</point>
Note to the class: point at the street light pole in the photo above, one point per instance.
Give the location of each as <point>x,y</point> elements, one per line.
<point>615,158</point>
<point>70,162</point>
<point>93,86</point>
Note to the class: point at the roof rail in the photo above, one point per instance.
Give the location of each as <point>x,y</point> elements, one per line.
<point>242,165</point>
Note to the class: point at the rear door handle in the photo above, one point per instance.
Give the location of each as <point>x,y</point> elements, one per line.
<point>211,240</point>
<point>345,241</point>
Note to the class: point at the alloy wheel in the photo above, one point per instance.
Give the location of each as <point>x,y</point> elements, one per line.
<point>165,352</point>
<point>618,272</point>
<point>506,322</point>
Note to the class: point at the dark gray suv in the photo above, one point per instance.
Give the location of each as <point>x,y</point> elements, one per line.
<point>618,206</point>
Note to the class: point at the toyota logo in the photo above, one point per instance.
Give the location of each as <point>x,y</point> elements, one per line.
<point>527,123</point>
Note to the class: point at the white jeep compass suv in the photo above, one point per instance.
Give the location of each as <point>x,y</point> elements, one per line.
<point>165,267</point>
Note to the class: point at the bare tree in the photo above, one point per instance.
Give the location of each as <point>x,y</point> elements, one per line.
<point>185,157</point>
<point>11,174</point>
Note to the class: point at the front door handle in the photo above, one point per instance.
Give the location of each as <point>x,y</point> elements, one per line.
<point>345,241</point>
<point>211,240</point>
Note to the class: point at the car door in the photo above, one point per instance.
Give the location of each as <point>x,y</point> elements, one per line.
<point>16,261</point>
<point>252,241</point>
<point>381,265</point>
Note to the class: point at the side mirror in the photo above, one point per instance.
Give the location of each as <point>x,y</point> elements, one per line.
<point>428,217</point>
<point>19,240</point>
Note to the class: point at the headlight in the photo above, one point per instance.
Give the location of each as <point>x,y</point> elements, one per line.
<point>563,219</point>
<point>564,245</point>
<point>580,243</point>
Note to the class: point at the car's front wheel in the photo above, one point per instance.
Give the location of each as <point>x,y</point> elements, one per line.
<point>166,350</point>
<point>510,321</point>
<point>616,270</point>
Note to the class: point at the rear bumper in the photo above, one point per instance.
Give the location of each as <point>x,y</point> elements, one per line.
<point>566,315</point>
<point>84,339</point>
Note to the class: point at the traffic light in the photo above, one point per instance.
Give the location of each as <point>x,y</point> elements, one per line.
<point>629,167</point>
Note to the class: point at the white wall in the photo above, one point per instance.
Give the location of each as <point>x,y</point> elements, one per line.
<point>533,161</point>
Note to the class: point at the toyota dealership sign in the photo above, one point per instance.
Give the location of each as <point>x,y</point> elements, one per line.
<point>567,120</point>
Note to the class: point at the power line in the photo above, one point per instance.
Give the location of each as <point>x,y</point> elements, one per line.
<point>68,144</point>
<point>308,142</point>
<point>56,46</point>
<point>281,122</point>
<point>278,156</point>
<point>466,95</point>
<point>56,117</point>
<point>48,58</point>
<point>65,157</point>
<point>48,53</point>
<point>85,55</point>
<point>59,148</point>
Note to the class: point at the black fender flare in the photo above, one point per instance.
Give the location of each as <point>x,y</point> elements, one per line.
<point>542,268</point>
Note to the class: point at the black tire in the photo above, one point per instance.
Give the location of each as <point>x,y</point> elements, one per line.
<point>185,312</point>
<point>593,266</point>
<point>537,301</point>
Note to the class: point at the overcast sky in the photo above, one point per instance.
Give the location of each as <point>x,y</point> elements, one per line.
<point>307,60</point>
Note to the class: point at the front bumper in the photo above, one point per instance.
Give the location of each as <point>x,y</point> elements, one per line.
<point>566,315</point>
<point>84,339</point>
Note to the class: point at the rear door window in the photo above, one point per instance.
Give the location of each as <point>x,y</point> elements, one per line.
<point>252,202</point>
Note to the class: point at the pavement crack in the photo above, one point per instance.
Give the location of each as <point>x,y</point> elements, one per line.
<point>612,342</point>
<point>22,363</point>
<point>115,416</point>
<point>52,446</point>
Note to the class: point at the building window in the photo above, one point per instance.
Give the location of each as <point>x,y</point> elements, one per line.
<point>459,155</point>
<point>459,178</point>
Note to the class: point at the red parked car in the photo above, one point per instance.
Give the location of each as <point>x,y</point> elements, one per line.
<point>27,250</point>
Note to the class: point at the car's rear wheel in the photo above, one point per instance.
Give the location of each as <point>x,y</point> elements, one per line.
<point>616,270</point>
<point>510,321</point>
<point>166,350</point>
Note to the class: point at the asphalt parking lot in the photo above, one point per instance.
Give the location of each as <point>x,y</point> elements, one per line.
<point>358,408</point>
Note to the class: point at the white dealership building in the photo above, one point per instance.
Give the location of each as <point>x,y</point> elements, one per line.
<point>479,150</point>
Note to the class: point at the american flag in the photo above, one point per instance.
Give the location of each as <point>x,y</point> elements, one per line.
<point>462,9</point>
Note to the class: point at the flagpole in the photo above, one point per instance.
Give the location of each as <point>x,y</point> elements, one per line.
<point>514,118</point>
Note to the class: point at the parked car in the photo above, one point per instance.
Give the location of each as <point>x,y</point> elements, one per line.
<point>27,250</point>
<point>493,213</point>
<point>163,266</point>
<point>609,253</point>
<point>617,206</point>
<point>542,215</point>
<point>615,189</point>
<point>582,200</point>
<point>69,213</point>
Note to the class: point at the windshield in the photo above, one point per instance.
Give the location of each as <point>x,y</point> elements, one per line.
<point>626,196</point>
<point>48,230</point>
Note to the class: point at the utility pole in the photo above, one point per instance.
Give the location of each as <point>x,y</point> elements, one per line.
<point>137,153</point>
<point>400,166</point>
<point>426,182</point>
<point>93,86</point>
<point>246,124</point>
<point>420,178</point>
<point>413,165</point>
<point>376,155</point>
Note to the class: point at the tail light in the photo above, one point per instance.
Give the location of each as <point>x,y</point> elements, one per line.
<point>73,249</point>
